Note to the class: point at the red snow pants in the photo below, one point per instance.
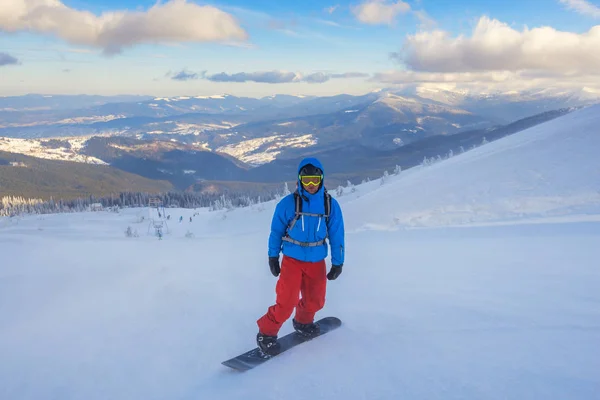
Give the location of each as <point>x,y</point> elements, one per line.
<point>296,277</point>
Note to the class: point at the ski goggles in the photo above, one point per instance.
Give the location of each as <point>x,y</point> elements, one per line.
<point>311,180</point>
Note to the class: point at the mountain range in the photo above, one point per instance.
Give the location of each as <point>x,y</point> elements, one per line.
<point>189,141</point>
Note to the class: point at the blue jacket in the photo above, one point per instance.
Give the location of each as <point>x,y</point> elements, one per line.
<point>308,228</point>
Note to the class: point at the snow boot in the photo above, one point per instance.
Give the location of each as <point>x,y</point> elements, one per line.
<point>311,329</point>
<point>267,344</point>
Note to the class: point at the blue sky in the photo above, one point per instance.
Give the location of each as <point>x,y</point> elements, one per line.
<point>262,47</point>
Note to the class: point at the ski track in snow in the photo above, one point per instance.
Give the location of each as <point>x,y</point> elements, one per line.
<point>474,278</point>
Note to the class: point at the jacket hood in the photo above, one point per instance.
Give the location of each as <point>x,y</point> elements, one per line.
<point>313,161</point>
<point>316,163</point>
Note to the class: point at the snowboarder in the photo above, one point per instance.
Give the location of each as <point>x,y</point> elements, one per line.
<point>302,222</point>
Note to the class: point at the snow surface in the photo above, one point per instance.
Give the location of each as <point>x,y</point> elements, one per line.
<point>550,170</point>
<point>179,128</point>
<point>474,278</point>
<point>36,148</point>
<point>263,150</point>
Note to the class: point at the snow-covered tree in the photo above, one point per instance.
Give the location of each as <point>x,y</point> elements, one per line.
<point>384,177</point>
<point>222,203</point>
<point>350,186</point>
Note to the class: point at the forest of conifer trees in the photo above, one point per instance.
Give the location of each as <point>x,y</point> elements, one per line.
<point>12,206</point>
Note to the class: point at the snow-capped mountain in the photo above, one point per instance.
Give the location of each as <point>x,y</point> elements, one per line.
<point>135,117</point>
<point>381,121</point>
<point>257,131</point>
<point>505,107</point>
<point>273,125</point>
<point>37,110</point>
<point>186,163</point>
<point>39,102</point>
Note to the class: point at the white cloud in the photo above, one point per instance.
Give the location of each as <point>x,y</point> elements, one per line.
<point>490,81</point>
<point>495,46</point>
<point>316,77</point>
<point>331,9</point>
<point>262,77</point>
<point>327,22</point>
<point>583,7</point>
<point>401,77</point>
<point>184,75</point>
<point>379,11</point>
<point>350,75</point>
<point>425,21</point>
<point>175,21</point>
<point>279,77</point>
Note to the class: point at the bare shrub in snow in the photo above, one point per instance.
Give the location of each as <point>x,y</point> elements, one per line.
<point>131,232</point>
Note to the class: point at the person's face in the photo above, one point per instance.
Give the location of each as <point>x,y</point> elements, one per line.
<point>311,183</point>
<point>312,189</point>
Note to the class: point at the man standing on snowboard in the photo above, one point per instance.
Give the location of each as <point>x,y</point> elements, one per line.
<point>302,240</point>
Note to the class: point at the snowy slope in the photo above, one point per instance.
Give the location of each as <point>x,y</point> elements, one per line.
<point>550,170</point>
<point>497,307</point>
<point>69,151</point>
<point>265,149</point>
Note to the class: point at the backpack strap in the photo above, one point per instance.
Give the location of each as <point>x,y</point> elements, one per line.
<point>327,199</point>
<point>298,202</point>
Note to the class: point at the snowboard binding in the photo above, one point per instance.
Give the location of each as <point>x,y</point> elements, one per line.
<point>268,345</point>
<point>306,330</point>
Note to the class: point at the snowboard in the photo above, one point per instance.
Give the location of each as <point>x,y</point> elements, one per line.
<point>256,357</point>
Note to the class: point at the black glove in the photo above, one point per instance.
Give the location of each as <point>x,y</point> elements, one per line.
<point>334,272</point>
<point>274,266</point>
